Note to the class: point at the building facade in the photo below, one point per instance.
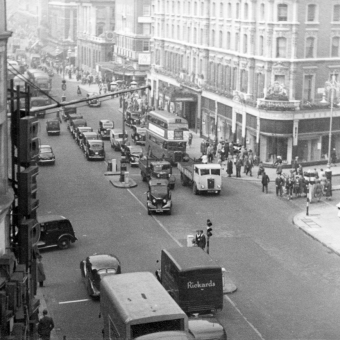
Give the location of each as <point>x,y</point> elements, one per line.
<point>132,56</point>
<point>96,25</point>
<point>251,71</point>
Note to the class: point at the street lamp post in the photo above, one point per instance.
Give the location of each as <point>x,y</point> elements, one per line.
<point>332,86</point>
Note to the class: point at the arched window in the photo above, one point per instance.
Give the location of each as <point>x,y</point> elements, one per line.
<point>335,46</point>
<point>281,47</point>
<point>310,48</point>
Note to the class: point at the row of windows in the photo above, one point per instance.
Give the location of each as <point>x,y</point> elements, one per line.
<point>218,9</point>
<point>138,45</point>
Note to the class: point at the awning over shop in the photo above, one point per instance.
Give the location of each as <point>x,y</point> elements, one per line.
<point>120,69</point>
<point>51,50</point>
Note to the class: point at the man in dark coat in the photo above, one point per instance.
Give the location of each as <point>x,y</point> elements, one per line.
<point>200,239</point>
<point>265,181</point>
<point>230,167</point>
<point>45,326</point>
<point>278,183</point>
<point>238,165</point>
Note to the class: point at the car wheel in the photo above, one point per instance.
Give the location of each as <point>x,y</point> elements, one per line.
<point>64,243</point>
<point>149,211</point>
<point>194,189</point>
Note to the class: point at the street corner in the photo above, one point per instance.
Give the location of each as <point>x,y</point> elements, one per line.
<point>126,184</point>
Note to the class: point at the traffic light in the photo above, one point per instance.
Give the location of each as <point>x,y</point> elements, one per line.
<point>28,139</point>
<point>27,190</point>
<point>209,229</point>
<point>29,235</point>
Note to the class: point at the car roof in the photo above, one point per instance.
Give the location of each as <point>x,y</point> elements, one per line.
<point>90,133</point>
<point>106,121</point>
<point>93,141</point>
<point>135,147</point>
<point>45,146</point>
<point>160,182</point>
<point>49,218</point>
<point>100,261</point>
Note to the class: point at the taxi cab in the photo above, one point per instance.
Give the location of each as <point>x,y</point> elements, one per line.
<point>105,126</point>
<point>94,149</point>
<point>86,136</point>
<point>158,197</point>
<point>138,134</point>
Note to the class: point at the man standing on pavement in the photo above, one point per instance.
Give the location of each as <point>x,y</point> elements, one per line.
<point>265,181</point>
<point>278,183</point>
<point>200,239</point>
<point>45,326</point>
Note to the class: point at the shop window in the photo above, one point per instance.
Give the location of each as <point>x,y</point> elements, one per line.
<point>335,46</point>
<point>282,12</point>
<point>310,48</point>
<point>281,47</point>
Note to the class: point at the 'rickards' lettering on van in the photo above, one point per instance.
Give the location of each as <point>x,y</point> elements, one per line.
<point>201,285</point>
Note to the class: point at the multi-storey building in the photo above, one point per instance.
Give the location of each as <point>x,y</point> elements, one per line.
<point>132,48</point>
<point>61,39</point>
<point>252,71</point>
<point>96,25</point>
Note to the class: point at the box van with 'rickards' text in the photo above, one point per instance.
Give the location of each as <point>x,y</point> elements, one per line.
<point>193,279</point>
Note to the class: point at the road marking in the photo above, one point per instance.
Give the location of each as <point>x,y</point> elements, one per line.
<point>181,245</point>
<point>74,301</point>
<point>155,218</point>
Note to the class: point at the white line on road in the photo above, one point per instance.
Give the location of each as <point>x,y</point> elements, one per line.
<point>74,301</point>
<point>181,245</point>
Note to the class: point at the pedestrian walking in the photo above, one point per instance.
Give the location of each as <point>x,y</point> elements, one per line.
<point>41,272</point>
<point>45,326</point>
<point>261,169</point>
<point>318,190</point>
<point>278,184</point>
<point>78,91</point>
<point>245,163</point>
<point>229,166</point>
<point>300,170</point>
<point>238,165</point>
<point>210,153</point>
<point>279,168</point>
<point>249,166</point>
<point>200,239</point>
<point>265,181</point>
<point>295,164</point>
<point>190,139</point>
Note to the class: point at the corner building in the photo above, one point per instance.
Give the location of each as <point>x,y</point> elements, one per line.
<point>251,71</point>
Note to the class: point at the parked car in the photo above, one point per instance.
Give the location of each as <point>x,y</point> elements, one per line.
<point>95,267</point>
<point>69,110</point>
<point>74,124</point>
<point>86,137</point>
<point>55,230</point>
<point>105,126</point>
<point>46,155</point>
<point>206,327</point>
<point>79,132</point>
<point>138,134</point>
<point>116,139</point>
<point>132,153</point>
<point>132,117</point>
<point>53,127</point>
<point>93,102</point>
<point>94,149</point>
<point>158,196</point>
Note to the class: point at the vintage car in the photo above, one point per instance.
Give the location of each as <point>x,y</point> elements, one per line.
<point>79,132</point>
<point>138,134</point>
<point>94,149</point>
<point>132,153</point>
<point>158,196</point>
<point>116,139</point>
<point>74,124</point>
<point>55,230</point>
<point>86,136</point>
<point>94,102</point>
<point>68,112</point>
<point>132,118</point>
<point>46,155</point>
<point>105,126</point>
<point>53,127</point>
<point>96,266</point>
<point>205,326</point>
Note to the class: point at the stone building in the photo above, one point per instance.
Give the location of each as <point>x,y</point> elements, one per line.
<point>251,71</point>
<point>96,25</point>
<point>131,58</point>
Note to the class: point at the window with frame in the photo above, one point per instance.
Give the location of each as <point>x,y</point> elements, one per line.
<point>237,14</point>
<point>228,40</point>
<point>262,11</point>
<point>146,45</point>
<point>311,13</point>
<point>245,14</point>
<point>220,40</point>
<point>189,33</point>
<point>221,10</point>
<point>336,13</point>
<point>202,36</point>
<point>310,48</point>
<point>308,87</point>
<point>281,47</point>
<point>195,9</point>
<point>146,29</point>
<point>195,35</point>
<point>261,45</point>
<point>213,38</point>
<point>213,14</point>
<point>244,81</point>
<point>282,12</point>
<point>237,39</point>
<point>229,10</point>
<point>245,43</point>
<point>146,10</point>
<point>335,46</point>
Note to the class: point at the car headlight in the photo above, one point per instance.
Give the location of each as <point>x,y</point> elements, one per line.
<point>164,201</point>
<point>158,175</point>
<point>154,201</point>
<point>202,186</point>
<point>218,187</point>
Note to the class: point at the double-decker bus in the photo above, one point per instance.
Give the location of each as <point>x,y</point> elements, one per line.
<point>166,136</point>
<point>41,79</point>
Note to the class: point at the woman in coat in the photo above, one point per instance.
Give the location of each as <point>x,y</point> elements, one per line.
<point>318,190</point>
<point>230,166</point>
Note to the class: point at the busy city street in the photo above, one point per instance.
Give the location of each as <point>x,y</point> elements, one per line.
<point>283,277</point>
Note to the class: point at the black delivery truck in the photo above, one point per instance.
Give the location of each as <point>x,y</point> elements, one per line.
<point>193,279</point>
